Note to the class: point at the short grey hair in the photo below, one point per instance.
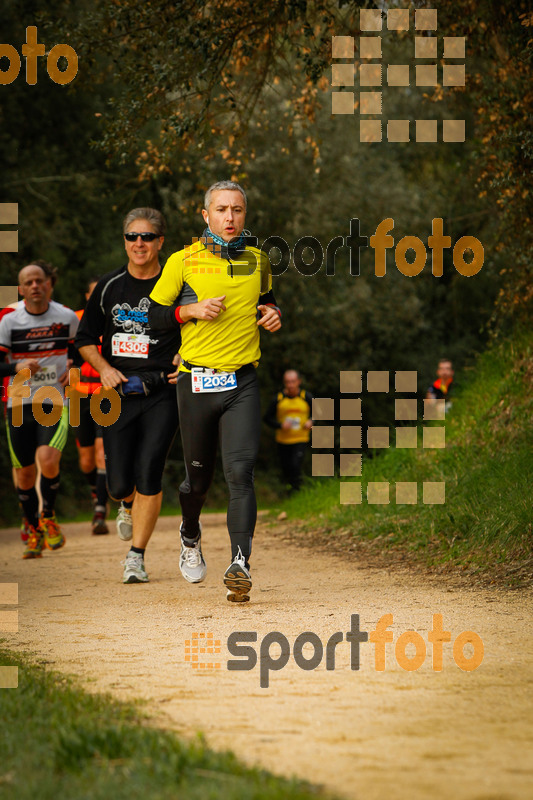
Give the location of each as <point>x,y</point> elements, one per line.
<point>216,187</point>
<point>151,215</point>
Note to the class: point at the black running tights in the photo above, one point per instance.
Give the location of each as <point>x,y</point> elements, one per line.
<point>235,417</point>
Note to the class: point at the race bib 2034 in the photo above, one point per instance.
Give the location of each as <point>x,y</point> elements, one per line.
<point>209,380</point>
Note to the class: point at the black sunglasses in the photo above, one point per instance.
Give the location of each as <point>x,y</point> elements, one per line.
<point>146,237</point>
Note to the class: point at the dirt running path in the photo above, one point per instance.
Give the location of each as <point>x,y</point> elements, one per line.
<point>364,734</point>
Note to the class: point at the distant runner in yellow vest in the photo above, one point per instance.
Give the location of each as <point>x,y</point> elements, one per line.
<point>290,415</point>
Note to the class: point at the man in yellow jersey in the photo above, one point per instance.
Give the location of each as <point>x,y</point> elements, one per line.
<point>290,415</point>
<point>219,289</point>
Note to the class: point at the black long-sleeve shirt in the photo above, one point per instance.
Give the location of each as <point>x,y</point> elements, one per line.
<point>117,311</point>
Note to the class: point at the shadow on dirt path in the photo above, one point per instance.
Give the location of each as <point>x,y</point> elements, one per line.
<point>368,735</point>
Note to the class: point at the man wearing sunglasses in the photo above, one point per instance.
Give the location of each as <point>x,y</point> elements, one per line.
<point>219,291</point>
<point>139,362</point>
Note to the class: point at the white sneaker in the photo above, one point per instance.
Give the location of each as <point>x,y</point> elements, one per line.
<point>238,580</point>
<point>192,564</point>
<point>134,571</point>
<point>124,523</point>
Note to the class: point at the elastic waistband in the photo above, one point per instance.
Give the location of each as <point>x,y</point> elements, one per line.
<point>88,379</point>
<point>188,365</point>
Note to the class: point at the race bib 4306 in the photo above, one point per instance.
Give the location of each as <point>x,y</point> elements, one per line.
<point>130,345</point>
<point>208,380</point>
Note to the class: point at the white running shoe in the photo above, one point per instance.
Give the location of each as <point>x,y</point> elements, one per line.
<point>238,580</point>
<point>124,523</point>
<point>134,571</point>
<point>192,564</point>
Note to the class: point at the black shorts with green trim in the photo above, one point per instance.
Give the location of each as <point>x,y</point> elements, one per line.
<point>23,440</point>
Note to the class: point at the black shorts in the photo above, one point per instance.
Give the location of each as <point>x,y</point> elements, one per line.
<point>24,440</point>
<point>137,444</point>
<point>88,430</point>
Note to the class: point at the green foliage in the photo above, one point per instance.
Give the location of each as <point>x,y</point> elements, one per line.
<point>58,741</point>
<point>189,73</point>
<point>499,93</point>
<point>485,523</point>
<point>173,96</point>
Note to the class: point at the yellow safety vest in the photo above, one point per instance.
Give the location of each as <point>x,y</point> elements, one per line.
<point>296,409</point>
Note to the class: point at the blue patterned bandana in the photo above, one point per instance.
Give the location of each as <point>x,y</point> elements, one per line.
<point>223,249</point>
